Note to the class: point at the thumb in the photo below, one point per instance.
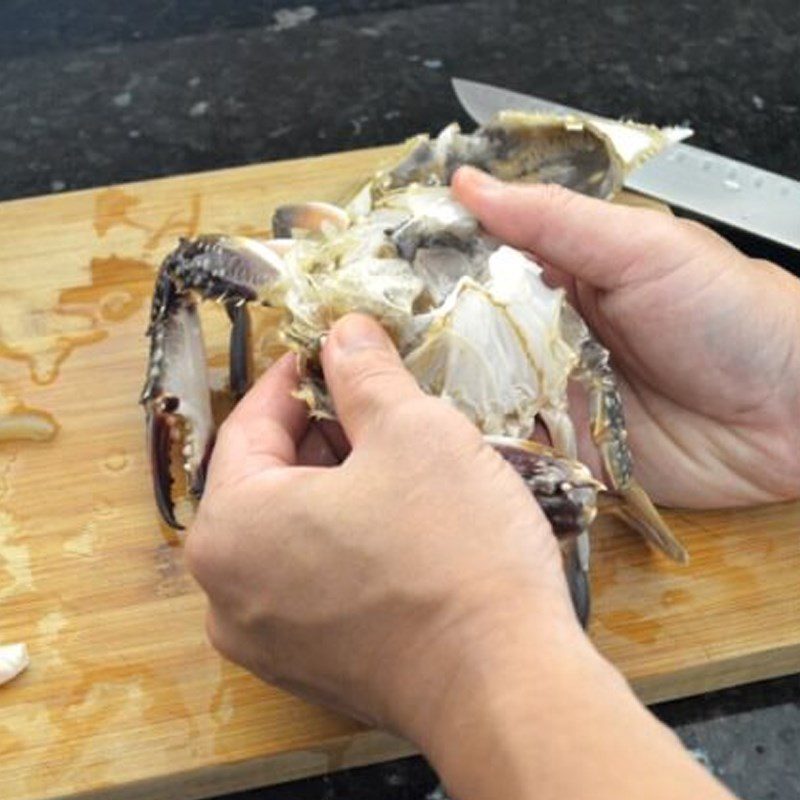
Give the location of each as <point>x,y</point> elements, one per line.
<point>364,373</point>
<point>590,239</point>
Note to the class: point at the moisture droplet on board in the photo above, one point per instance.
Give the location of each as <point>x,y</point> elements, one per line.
<point>116,461</point>
<point>83,543</point>
<point>103,509</point>
<point>117,305</point>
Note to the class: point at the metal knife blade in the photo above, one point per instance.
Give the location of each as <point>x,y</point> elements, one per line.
<point>706,183</point>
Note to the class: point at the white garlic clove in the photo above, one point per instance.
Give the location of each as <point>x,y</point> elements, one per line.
<point>13,660</point>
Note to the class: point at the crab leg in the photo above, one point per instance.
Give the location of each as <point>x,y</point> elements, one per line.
<point>567,493</point>
<point>176,395</point>
<point>628,500</point>
<point>179,396</point>
<point>577,552</point>
<point>239,350</point>
<point>312,217</point>
<point>565,489</point>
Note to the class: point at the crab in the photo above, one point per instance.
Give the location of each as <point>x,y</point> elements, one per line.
<point>472,317</point>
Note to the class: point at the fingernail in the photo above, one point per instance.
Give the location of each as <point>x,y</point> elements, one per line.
<point>358,332</point>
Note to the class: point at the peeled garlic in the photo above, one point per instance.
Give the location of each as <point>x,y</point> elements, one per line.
<point>13,660</point>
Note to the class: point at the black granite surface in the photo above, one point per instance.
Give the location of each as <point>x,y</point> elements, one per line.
<point>100,91</point>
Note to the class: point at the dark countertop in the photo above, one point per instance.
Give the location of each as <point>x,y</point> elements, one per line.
<point>102,91</point>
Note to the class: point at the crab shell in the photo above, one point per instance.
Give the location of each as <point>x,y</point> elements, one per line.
<point>472,318</point>
<point>591,156</point>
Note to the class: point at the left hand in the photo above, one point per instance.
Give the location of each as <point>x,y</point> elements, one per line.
<point>705,342</point>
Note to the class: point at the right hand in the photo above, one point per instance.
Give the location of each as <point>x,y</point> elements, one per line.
<point>416,585</point>
<point>705,341</point>
<point>381,584</point>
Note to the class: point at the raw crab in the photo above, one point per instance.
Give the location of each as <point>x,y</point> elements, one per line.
<point>471,316</point>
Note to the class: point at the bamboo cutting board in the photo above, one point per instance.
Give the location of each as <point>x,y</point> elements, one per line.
<point>124,698</point>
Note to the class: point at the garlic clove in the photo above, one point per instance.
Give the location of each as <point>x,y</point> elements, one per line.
<point>13,660</point>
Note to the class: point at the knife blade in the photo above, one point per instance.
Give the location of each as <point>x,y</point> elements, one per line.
<point>709,184</point>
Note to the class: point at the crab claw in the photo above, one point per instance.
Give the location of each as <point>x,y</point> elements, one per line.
<point>565,489</point>
<point>231,269</point>
<point>159,442</point>
<point>313,217</point>
<point>567,493</point>
<point>578,582</point>
<point>177,401</point>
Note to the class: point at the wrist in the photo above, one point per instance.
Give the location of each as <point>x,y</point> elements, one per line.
<point>479,659</point>
<point>531,709</point>
<point>492,727</point>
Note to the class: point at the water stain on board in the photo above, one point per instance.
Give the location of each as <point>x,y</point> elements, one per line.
<point>15,559</point>
<point>675,597</point>
<point>43,327</point>
<point>16,575</point>
<point>34,329</point>
<point>631,625</point>
<point>173,579</point>
<point>82,544</point>
<point>115,207</point>
<point>118,289</point>
<point>98,698</point>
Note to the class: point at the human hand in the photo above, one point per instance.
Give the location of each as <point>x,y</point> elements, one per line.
<point>705,341</point>
<point>417,586</point>
<point>378,585</point>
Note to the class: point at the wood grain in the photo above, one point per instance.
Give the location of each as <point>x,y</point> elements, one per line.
<point>124,698</point>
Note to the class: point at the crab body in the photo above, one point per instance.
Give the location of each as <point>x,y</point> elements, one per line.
<point>472,317</point>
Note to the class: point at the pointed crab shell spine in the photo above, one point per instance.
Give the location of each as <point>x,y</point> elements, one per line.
<point>634,143</point>
<point>13,660</point>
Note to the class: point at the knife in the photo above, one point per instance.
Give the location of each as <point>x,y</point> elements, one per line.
<point>709,184</point>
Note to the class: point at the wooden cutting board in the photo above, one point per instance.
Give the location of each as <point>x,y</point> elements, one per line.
<point>124,698</point>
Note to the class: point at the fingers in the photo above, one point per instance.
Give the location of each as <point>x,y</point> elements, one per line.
<point>591,239</point>
<point>364,373</point>
<point>264,428</point>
